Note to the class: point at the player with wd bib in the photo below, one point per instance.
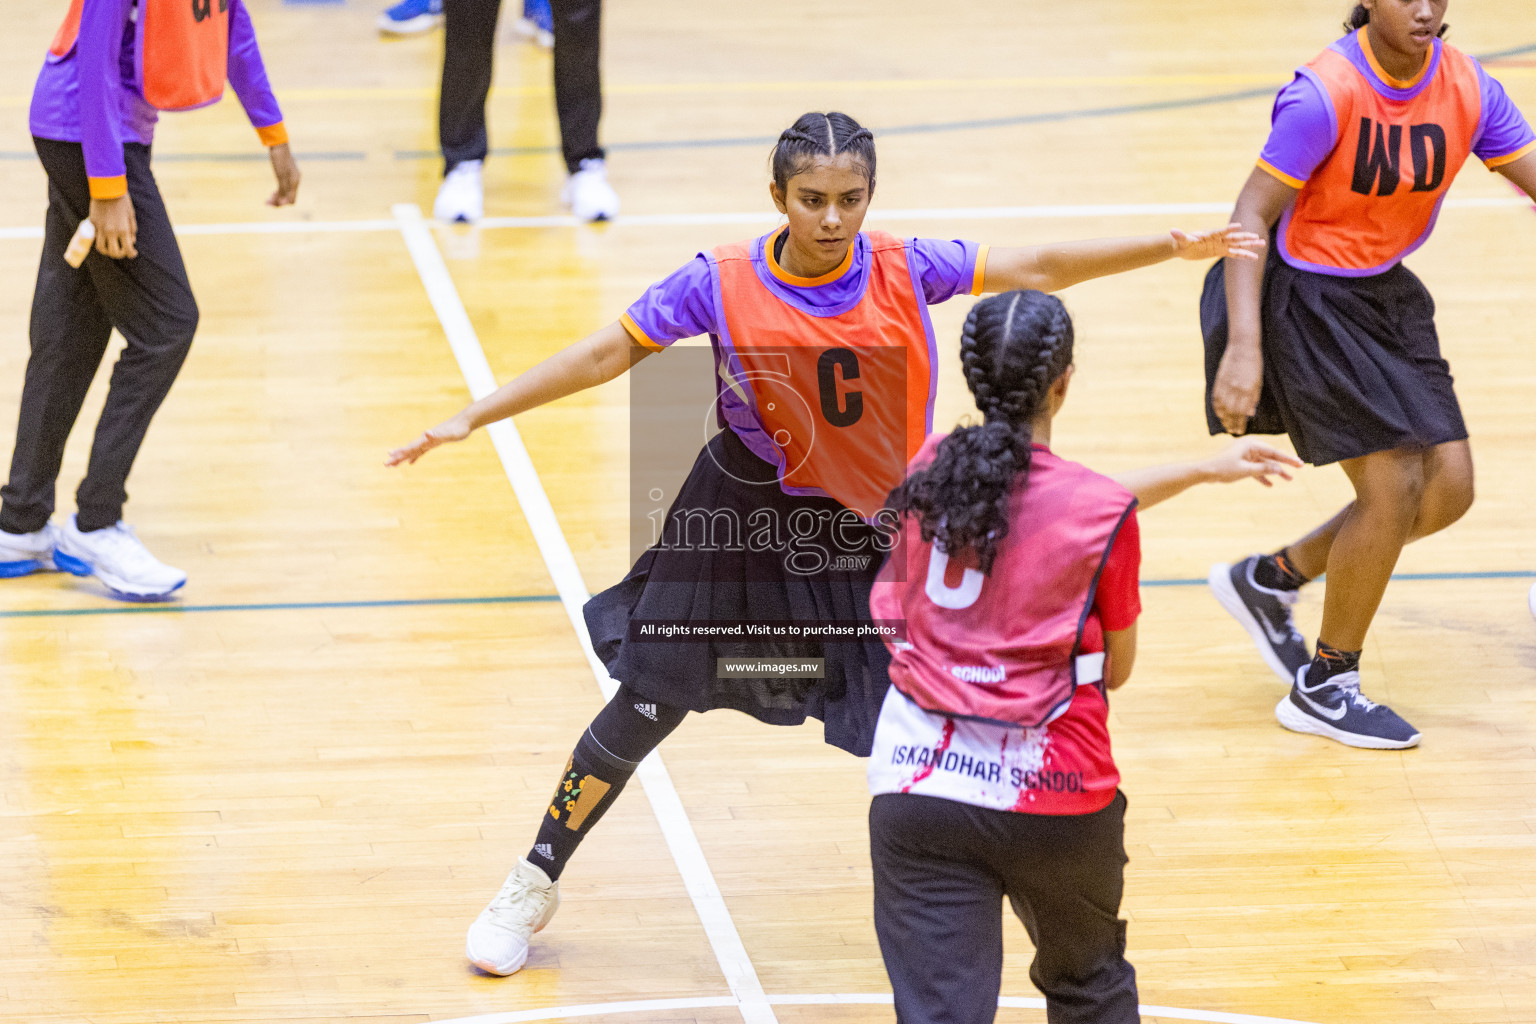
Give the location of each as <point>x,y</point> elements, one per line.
<point>1334,343</point>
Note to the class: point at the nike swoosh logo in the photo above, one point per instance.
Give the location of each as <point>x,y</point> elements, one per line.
<point>1332,714</point>
<point>1275,636</point>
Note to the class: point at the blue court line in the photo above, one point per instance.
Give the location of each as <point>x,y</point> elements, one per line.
<point>275,606</point>
<point>1048,117</point>
<point>442,602</point>
<point>1397,576</point>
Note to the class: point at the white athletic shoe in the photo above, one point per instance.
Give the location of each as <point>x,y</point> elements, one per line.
<point>1532,599</point>
<point>462,195</point>
<point>118,559</point>
<point>588,193</point>
<point>498,940</point>
<point>22,554</point>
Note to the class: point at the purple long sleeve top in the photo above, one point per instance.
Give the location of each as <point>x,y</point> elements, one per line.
<point>90,95</point>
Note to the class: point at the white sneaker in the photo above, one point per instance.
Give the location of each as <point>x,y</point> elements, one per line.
<point>119,559</point>
<point>1532,598</point>
<point>462,195</point>
<point>498,940</point>
<point>22,554</point>
<point>588,193</point>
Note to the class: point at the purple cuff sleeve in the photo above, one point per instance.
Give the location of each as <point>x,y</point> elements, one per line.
<point>1504,130</point>
<point>945,268</point>
<point>247,74</point>
<point>681,305</point>
<point>97,53</point>
<point>1302,131</point>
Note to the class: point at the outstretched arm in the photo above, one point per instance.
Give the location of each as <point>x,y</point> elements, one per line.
<point>1522,173</point>
<point>1243,459</point>
<point>1049,268</point>
<point>595,359</point>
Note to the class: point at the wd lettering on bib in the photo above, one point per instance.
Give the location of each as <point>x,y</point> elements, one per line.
<point>1374,198</point>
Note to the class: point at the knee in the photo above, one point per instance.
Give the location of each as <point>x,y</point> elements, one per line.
<point>1394,492</point>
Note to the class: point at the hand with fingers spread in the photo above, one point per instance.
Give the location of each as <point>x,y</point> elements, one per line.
<point>1233,240</point>
<point>117,227</point>
<point>1250,458</point>
<point>455,429</point>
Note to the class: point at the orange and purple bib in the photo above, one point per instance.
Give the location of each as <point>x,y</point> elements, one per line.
<point>1373,156</point>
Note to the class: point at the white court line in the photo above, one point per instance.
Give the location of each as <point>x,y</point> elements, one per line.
<point>842,999</point>
<point>1069,212</point>
<point>667,805</point>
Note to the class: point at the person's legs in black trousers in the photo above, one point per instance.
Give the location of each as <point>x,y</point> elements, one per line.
<point>147,298</point>
<point>1065,884</point>
<point>578,78</point>
<point>941,869</point>
<point>938,910</point>
<point>469,56</point>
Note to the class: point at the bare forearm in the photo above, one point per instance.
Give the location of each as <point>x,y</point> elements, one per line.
<point>596,359</point>
<point>1155,484</point>
<point>1245,286</point>
<point>1052,267</point>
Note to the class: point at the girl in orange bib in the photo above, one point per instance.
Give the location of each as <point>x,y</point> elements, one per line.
<point>1334,342</point>
<point>825,361</point>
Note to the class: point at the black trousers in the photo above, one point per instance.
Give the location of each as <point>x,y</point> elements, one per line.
<point>147,298</point>
<point>942,868</point>
<point>469,50</point>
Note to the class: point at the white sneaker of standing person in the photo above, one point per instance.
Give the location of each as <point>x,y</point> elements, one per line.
<point>22,554</point>
<point>498,940</point>
<point>117,558</point>
<point>461,197</point>
<point>588,193</point>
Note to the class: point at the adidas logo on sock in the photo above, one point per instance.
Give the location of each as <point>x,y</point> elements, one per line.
<point>648,710</point>
<point>545,850</point>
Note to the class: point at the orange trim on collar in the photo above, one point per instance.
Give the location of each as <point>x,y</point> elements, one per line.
<point>805,282</point>
<point>1396,83</point>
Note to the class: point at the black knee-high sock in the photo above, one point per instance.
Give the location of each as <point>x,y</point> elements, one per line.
<point>628,728</point>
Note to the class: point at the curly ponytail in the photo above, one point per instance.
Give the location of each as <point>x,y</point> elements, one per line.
<point>1013,348</point>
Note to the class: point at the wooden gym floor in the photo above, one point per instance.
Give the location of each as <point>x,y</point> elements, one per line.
<point>286,801</point>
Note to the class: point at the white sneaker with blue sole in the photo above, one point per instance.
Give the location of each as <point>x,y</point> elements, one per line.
<point>117,558</point>
<point>22,554</point>
<point>1338,710</point>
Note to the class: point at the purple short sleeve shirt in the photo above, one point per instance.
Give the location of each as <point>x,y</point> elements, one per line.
<point>683,304</point>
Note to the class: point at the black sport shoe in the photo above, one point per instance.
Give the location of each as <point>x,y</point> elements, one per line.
<point>1338,710</point>
<point>1265,614</point>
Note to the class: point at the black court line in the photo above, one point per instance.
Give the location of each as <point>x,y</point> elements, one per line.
<point>171,607</point>
<point>1016,120</point>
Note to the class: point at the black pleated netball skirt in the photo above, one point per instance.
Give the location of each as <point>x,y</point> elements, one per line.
<point>1352,365</point>
<point>684,584</point>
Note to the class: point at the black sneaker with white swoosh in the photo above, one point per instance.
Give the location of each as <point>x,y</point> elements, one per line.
<point>1264,613</point>
<point>1338,710</point>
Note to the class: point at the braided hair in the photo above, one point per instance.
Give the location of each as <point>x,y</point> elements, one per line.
<point>821,135</point>
<point>1361,16</point>
<point>1013,348</point>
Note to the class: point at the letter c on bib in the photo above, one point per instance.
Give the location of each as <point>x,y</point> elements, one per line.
<point>946,596</point>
